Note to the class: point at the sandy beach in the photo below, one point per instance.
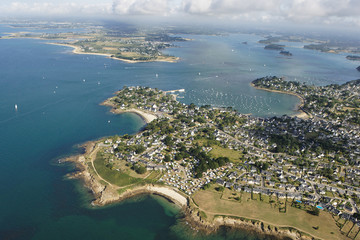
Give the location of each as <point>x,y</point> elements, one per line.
<point>169,193</point>
<point>147,117</point>
<point>301,113</point>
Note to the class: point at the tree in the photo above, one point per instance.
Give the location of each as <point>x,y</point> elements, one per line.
<point>220,188</point>
<point>206,186</point>
<point>139,149</point>
<point>356,215</point>
<point>168,141</point>
<point>139,169</point>
<point>178,156</point>
<point>167,158</point>
<point>314,211</point>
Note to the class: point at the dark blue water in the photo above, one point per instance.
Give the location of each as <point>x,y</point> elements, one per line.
<point>58,95</point>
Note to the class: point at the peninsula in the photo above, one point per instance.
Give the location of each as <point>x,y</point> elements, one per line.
<point>353,58</point>
<point>283,175</point>
<point>132,47</point>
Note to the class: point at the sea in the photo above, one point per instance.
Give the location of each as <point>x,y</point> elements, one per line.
<point>57,94</point>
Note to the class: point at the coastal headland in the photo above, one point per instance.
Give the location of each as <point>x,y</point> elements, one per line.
<point>106,193</point>
<point>202,159</point>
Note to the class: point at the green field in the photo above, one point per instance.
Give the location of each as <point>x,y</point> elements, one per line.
<point>233,155</point>
<point>211,203</point>
<point>113,176</point>
<point>219,151</point>
<point>154,175</point>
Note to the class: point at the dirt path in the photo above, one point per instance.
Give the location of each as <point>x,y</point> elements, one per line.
<point>92,157</point>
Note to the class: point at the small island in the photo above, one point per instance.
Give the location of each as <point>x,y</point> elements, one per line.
<point>283,176</point>
<point>358,68</point>
<point>286,53</point>
<point>274,47</point>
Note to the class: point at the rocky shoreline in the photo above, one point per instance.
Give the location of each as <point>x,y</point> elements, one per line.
<point>260,228</point>
<point>105,194</point>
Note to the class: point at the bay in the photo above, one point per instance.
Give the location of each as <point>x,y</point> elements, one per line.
<point>58,95</point>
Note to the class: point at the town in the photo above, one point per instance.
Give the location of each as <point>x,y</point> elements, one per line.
<point>313,162</point>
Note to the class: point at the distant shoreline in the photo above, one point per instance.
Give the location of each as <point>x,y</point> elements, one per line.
<point>77,50</point>
<point>301,114</point>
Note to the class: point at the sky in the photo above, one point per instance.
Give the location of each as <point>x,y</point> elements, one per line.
<point>320,12</point>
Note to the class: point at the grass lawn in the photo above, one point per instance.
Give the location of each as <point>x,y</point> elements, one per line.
<point>265,198</point>
<point>255,196</point>
<point>245,196</point>
<point>218,151</point>
<point>230,195</point>
<point>347,227</point>
<point>329,194</point>
<point>353,231</point>
<point>341,221</point>
<point>113,176</point>
<point>233,155</point>
<point>154,175</point>
<point>211,203</point>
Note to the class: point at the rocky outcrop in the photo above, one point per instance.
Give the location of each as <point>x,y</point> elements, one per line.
<point>358,68</point>
<point>192,217</point>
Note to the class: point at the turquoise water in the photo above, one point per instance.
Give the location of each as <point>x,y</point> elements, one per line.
<point>58,95</point>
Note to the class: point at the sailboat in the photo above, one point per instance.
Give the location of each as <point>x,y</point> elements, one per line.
<point>16,107</point>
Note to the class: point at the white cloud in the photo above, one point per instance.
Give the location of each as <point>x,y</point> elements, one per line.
<point>302,11</point>
<point>141,7</point>
<point>53,9</point>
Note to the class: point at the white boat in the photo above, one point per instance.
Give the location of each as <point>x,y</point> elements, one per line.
<point>16,107</point>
